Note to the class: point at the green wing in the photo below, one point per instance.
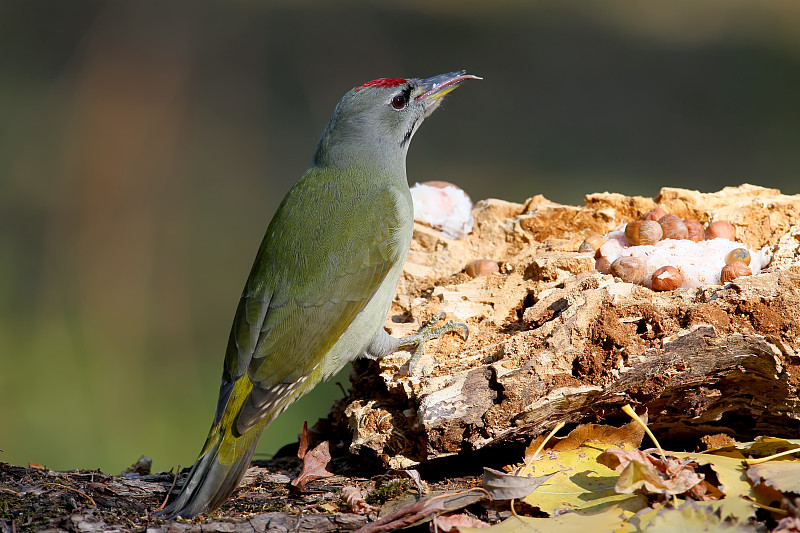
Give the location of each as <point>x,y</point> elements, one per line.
<point>323,258</point>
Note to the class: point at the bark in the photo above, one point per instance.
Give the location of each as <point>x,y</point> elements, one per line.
<point>553,340</point>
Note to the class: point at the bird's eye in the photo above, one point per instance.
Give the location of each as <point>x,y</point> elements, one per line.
<point>399,101</point>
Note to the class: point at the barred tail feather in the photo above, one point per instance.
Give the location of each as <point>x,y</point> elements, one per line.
<point>210,482</point>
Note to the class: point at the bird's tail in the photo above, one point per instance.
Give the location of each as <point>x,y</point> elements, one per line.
<point>214,476</point>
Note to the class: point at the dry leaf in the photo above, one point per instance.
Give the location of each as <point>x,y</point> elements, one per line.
<point>692,516</point>
<point>618,459</point>
<point>354,498</point>
<point>630,434</point>
<point>783,476</point>
<point>314,463</point>
<point>737,493</point>
<point>502,486</point>
<point>580,482</point>
<point>640,470</point>
<point>639,475</point>
<point>455,522</point>
<point>422,487</point>
<point>404,517</point>
<point>423,509</point>
<point>608,520</point>
<point>789,524</point>
<point>303,446</point>
<point>328,507</point>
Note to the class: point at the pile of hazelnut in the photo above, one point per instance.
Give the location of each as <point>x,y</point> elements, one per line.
<point>657,225</point>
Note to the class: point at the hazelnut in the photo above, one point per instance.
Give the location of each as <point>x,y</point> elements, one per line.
<point>602,265</point>
<point>592,243</point>
<point>657,213</point>
<point>641,232</point>
<point>666,278</point>
<point>733,270</point>
<point>629,269</point>
<point>482,267</point>
<point>721,229</point>
<point>673,227</point>
<point>738,254</point>
<point>696,230</point>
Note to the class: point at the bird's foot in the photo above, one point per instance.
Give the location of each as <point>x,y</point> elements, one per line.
<point>427,332</point>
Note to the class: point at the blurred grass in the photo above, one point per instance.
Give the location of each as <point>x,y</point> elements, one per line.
<point>144,147</point>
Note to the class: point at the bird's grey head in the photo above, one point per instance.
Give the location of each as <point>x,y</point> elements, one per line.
<point>375,121</point>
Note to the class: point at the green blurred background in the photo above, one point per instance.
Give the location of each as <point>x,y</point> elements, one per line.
<point>145,145</point>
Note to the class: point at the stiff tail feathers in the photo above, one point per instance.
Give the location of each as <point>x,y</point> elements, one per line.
<point>209,484</point>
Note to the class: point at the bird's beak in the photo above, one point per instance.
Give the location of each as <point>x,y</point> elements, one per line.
<point>438,86</point>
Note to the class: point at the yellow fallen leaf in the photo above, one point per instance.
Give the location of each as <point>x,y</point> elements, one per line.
<point>580,482</point>
<point>783,476</point>
<point>761,447</point>
<point>733,483</point>
<point>630,435</point>
<point>609,521</point>
<point>691,516</point>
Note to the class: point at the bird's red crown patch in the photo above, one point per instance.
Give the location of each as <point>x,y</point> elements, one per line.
<point>382,83</point>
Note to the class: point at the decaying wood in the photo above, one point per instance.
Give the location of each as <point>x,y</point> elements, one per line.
<point>553,340</point>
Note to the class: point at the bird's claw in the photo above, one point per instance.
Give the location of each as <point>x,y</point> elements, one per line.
<point>427,332</point>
